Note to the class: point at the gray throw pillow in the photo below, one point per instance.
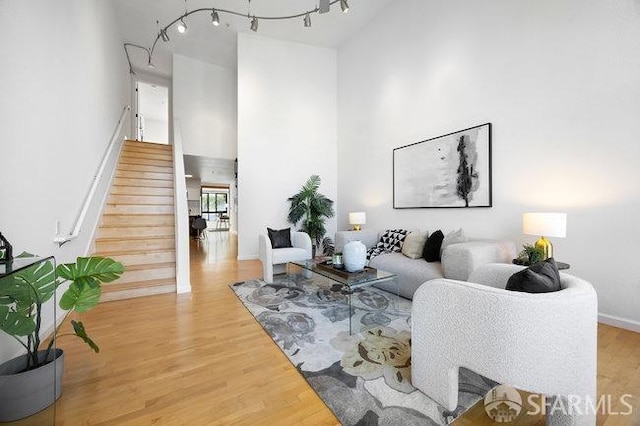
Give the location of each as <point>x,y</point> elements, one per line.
<point>280,238</point>
<point>542,277</point>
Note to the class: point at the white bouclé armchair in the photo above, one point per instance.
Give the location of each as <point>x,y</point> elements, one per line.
<point>542,343</point>
<point>275,260</point>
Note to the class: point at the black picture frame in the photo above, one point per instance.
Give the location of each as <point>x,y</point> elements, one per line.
<point>448,171</point>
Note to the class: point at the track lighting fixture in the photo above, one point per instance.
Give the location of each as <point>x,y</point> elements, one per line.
<point>323,6</point>
<point>182,27</point>
<point>164,35</point>
<point>150,64</point>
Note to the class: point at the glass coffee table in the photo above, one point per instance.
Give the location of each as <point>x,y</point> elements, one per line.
<point>349,283</point>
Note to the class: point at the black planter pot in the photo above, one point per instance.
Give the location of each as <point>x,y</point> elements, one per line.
<point>26,393</point>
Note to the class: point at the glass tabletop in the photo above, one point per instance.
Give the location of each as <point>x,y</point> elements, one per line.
<point>352,279</point>
<point>19,263</point>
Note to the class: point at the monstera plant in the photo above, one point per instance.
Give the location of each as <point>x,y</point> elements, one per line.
<point>23,294</point>
<point>27,383</point>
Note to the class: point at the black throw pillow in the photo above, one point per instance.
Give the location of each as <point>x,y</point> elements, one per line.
<point>280,238</point>
<point>431,251</point>
<point>542,277</point>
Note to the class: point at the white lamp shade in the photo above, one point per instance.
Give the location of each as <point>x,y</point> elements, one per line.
<point>357,218</point>
<point>545,224</point>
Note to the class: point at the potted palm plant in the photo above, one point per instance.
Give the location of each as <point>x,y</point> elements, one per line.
<point>27,382</point>
<point>311,208</point>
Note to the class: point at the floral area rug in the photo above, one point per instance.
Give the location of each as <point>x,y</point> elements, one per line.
<point>364,378</point>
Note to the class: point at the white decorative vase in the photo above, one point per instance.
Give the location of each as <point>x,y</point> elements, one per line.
<point>354,255</point>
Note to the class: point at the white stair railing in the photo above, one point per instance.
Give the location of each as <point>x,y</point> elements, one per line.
<point>115,142</point>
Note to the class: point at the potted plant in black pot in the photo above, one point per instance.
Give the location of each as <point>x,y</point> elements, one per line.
<point>27,381</point>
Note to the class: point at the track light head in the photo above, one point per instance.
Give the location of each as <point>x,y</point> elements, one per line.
<point>307,20</point>
<point>324,6</point>
<point>164,36</point>
<point>254,24</point>
<point>345,6</point>
<point>215,19</point>
<point>182,27</point>
<point>150,64</point>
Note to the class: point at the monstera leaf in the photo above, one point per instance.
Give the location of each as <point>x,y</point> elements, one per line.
<point>80,297</point>
<point>35,284</point>
<point>91,271</point>
<point>79,330</point>
<point>15,323</point>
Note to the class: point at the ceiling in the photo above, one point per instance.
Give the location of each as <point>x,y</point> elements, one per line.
<point>218,45</point>
<point>209,170</point>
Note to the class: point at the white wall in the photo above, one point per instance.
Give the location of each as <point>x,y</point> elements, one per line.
<point>286,131</point>
<point>205,103</point>
<point>63,89</point>
<point>560,83</point>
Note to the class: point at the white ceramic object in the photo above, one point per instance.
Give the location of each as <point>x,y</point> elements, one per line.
<point>354,255</point>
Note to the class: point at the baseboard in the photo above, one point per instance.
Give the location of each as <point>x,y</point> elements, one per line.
<point>249,257</point>
<point>619,322</point>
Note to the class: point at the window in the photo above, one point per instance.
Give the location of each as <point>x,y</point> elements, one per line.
<point>215,202</point>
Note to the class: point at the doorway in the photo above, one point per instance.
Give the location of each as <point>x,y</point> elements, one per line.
<point>152,113</point>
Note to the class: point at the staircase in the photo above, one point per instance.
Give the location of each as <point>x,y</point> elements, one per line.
<point>137,225</point>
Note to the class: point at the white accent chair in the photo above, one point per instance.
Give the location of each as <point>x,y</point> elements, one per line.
<point>541,343</point>
<point>275,260</point>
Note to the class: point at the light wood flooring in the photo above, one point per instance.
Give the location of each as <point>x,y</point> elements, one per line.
<point>201,359</point>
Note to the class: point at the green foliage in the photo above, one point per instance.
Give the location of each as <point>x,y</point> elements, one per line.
<point>23,294</point>
<point>78,329</point>
<point>312,208</point>
<point>530,255</point>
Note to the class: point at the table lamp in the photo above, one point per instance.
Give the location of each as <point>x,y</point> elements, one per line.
<point>545,225</point>
<point>356,219</point>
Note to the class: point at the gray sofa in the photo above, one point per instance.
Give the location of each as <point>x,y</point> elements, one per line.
<point>458,260</point>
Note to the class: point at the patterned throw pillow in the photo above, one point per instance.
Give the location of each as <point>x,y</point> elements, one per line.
<point>390,242</point>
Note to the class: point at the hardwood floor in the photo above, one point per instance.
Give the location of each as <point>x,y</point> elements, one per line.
<point>201,359</point>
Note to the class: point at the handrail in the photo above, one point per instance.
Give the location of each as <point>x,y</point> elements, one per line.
<point>94,185</point>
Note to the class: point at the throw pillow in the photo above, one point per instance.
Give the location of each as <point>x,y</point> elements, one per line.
<point>280,238</point>
<point>452,237</point>
<point>414,244</point>
<point>542,277</point>
<point>390,242</point>
<point>431,252</point>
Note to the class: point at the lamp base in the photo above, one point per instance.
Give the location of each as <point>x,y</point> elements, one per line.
<point>356,227</point>
<point>545,245</point>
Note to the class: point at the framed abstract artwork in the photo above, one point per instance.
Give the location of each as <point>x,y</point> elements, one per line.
<point>450,171</point>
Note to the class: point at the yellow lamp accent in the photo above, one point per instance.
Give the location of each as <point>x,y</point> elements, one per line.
<point>545,225</point>
<point>356,219</point>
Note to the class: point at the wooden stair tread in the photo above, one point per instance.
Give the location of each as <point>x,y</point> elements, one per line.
<point>142,183</point>
<point>147,161</point>
<point>143,175</point>
<point>111,287</point>
<point>140,199</point>
<point>110,296</point>
<point>148,266</point>
<point>141,190</point>
<point>162,237</point>
<point>145,168</point>
<point>142,155</point>
<point>152,145</point>
<point>132,209</point>
<point>125,220</point>
<point>133,252</point>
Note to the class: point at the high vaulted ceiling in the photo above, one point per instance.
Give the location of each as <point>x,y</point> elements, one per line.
<point>218,45</point>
